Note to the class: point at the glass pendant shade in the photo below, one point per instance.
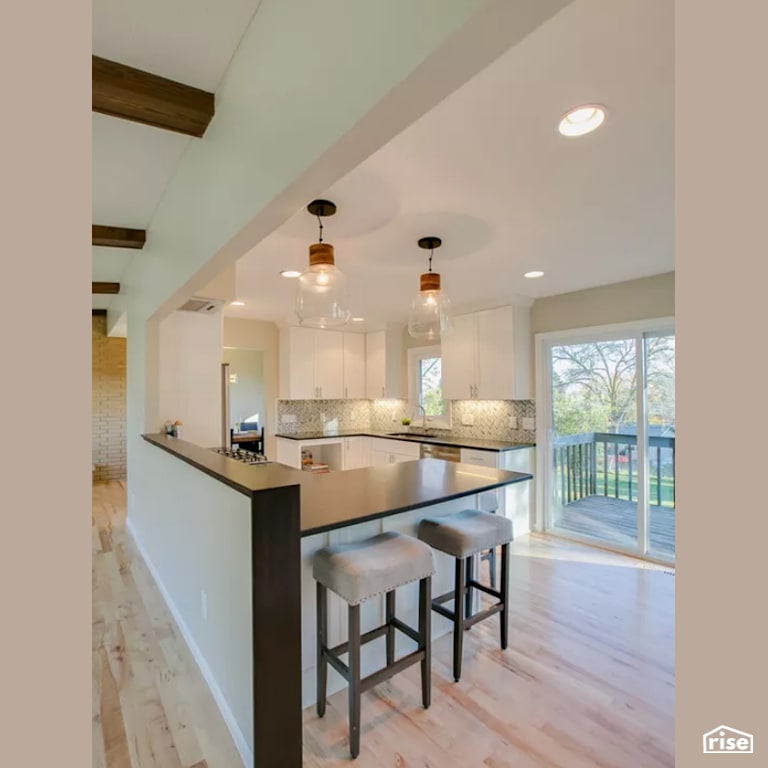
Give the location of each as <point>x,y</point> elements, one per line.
<point>321,294</point>
<point>430,310</point>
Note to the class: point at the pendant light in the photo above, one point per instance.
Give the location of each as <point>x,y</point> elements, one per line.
<point>321,295</point>
<point>430,310</point>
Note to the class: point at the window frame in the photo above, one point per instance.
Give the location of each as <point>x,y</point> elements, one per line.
<point>415,356</point>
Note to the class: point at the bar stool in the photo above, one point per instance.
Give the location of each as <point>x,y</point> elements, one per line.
<point>357,572</point>
<point>462,535</point>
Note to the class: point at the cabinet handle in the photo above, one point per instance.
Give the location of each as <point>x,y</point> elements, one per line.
<point>346,393</point>
<point>382,392</point>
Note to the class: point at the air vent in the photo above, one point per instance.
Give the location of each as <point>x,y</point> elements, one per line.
<point>199,304</point>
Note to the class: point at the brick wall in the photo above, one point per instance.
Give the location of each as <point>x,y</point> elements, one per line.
<point>107,403</point>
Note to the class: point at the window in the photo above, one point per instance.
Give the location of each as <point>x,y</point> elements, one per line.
<point>425,387</point>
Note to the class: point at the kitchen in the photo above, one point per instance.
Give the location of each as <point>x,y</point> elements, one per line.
<point>337,397</point>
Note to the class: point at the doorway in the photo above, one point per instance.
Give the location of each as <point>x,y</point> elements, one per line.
<point>607,431</point>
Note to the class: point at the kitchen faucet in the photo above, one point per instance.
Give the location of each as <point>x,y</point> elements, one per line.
<point>424,415</point>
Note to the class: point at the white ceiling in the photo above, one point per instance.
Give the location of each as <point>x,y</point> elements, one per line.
<point>487,171</point>
<point>190,41</point>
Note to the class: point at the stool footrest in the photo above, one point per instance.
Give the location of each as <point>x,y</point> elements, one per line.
<point>406,630</point>
<point>392,669</point>
<point>483,588</point>
<point>342,648</point>
<point>332,654</point>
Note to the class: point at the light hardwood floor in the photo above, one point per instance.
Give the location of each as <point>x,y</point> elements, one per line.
<point>588,679</point>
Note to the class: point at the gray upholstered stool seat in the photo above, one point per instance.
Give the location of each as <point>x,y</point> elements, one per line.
<point>372,567</point>
<point>465,533</point>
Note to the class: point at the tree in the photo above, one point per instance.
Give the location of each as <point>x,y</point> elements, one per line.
<point>594,385</point>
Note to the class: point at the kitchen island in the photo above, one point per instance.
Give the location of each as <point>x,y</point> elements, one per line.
<point>289,515</point>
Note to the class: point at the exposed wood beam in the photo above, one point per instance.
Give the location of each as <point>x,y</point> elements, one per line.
<point>118,237</point>
<point>105,287</point>
<point>122,91</point>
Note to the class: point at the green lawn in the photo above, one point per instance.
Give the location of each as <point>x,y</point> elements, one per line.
<point>667,487</point>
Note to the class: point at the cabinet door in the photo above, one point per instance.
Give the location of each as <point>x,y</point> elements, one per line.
<point>495,354</point>
<point>329,364</point>
<point>457,348</point>
<point>354,366</point>
<point>379,458</point>
<point>289,452</point>
<point>300,367</point>
<point>375,373</point>
<point>479,458</point>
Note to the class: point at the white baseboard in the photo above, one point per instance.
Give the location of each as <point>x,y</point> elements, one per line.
<point>226,713</point>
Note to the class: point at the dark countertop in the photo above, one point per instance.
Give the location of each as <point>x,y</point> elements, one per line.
<point>338,499</point>
<point>461,442</point>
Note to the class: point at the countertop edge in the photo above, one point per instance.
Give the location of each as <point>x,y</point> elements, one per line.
<point>205,461</point>
<point>523,477</point>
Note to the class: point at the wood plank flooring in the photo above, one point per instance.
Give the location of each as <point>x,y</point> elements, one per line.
<point>614,521</point>
<point>588,679</point>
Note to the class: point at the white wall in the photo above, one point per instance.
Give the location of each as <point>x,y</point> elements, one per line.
<point>190,349</point>
<point>194,533</point>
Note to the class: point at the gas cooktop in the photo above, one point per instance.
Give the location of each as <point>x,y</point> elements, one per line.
<point>240,454</point>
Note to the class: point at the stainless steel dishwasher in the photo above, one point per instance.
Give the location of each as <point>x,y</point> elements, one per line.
<point>444,452</point>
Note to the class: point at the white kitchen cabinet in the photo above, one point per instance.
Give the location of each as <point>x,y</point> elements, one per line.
<point>329,364</point>
<point>357,452</point>
<point>384,363</point>
<point>354,366</point>
<point>486,355</point>
<point>515,501</point>
<point>384,451</point>
<point>311,364</point>
<point>289,452</point>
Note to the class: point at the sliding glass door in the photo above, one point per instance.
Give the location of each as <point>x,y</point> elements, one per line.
<point>609,409</point>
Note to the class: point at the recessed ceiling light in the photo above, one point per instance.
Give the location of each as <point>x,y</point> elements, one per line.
<point>238,303</point>
<point>581,120</point>
<point>358,319</point>
<point>290,273</point>
<point>534,273</point>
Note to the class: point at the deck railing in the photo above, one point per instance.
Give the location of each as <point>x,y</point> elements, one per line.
<point>605,464</point>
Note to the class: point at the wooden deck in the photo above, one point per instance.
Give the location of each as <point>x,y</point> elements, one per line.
<point>614,521</point>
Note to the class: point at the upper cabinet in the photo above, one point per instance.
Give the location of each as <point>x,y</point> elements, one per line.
<point>384,363</point>
<point>319,364</point>
<point>486,355</point>
<point>354,366</point>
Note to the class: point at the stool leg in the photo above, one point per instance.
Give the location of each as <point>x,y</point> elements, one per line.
<point>322,632</point>
<point>468,594</point>
<point>354,680</point>
<point>504,613</point>
<point>425,642</point>
<point>458,616</point>
<point>390,608</point>
<point>492,565</point>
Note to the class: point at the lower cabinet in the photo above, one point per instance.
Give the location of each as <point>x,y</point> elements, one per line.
<point>357,452</point>
<point>515,501</point>
<point>384,451</point>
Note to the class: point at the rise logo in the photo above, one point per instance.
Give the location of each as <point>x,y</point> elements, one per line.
<point>726,741</point>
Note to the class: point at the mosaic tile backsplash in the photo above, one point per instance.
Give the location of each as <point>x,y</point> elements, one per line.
<point>490,417</point>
